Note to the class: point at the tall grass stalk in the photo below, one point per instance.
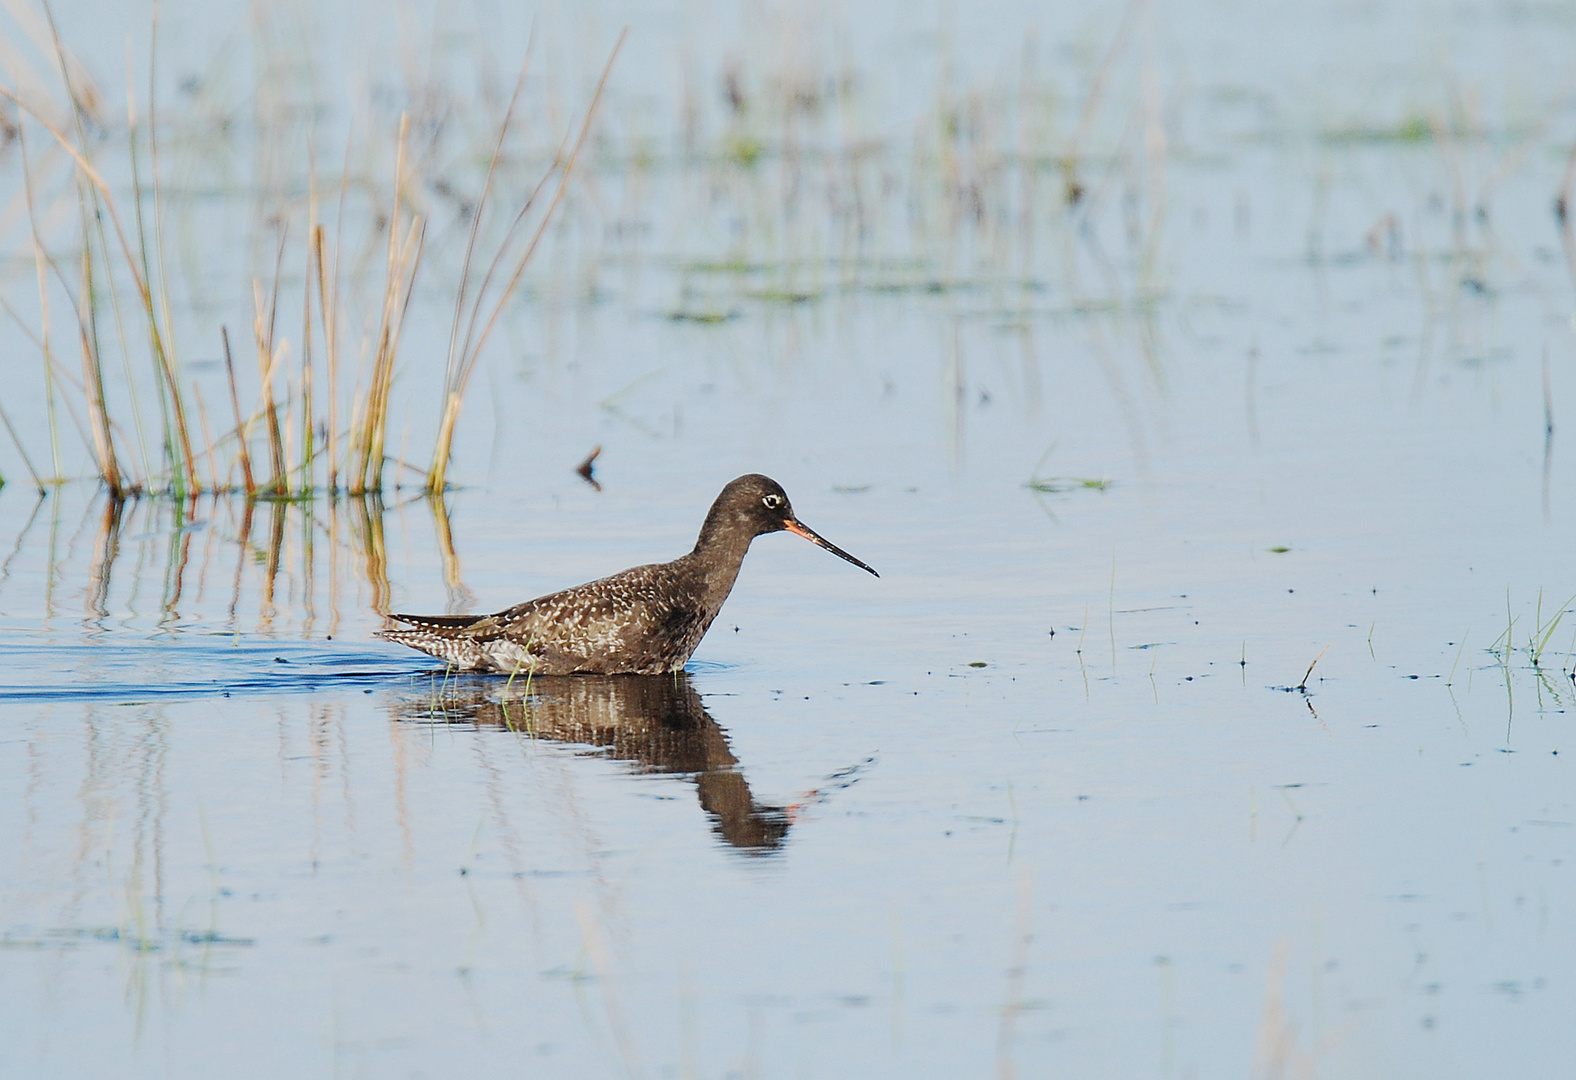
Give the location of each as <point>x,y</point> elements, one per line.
<point>93,383</point>
<point>453,374</point>
<point>305,484</point>
<point>95,196</point>
<point>39,262</point>
<point>112,293</point>
<point>269,356</point>
<point>404,260</point>
<point>327,305</point>
<point>207,437</point>
<point>1540,639</point>
<point>156,305</point>
<point>329,298</point>
<point>463,356</point>
<point>248,479</point>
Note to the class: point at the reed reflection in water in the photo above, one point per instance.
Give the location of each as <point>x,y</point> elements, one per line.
<point>655,722</point>
<point>211,561</point>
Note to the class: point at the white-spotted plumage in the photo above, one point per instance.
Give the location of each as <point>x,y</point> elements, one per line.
<point>646,620</point>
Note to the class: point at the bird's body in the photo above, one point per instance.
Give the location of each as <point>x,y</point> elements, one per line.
<point>646,620</point>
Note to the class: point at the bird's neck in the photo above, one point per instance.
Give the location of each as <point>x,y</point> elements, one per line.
<point>716,560</point>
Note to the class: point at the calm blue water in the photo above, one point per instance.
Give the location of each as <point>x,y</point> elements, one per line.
<point>891,827</point>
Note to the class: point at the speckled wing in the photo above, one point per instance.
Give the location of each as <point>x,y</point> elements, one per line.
<point>634,621</point>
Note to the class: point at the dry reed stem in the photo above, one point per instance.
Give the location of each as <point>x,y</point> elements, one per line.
<point>330,356</point>
<point>207,435</point>
<point>235,405</point>
<point>159,246</point>
<point>370,441</point>
<point>168,446</point>
<point>404,260</point>
<point>307,443</point>
<point>162,360</point>
<point>503,250</point>
<point>331,325</point>
<point>1309,673</point>
<point>455,349</point>
<point>267,359</point>
<point>171,401</point>
<point>278,456</point>
<point>102,442</point>
<point>84,94</point>
<point>93,384</point>
<point>436,476</point>
<point>40,258</point>
<point>454,363</point>
<point>153,164</point>
<point>22,69</point>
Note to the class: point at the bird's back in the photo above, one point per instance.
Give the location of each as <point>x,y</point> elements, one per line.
<point>647,620</point>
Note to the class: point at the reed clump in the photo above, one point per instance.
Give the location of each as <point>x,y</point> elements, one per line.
<point>302,432</point>
<point>781,189</point>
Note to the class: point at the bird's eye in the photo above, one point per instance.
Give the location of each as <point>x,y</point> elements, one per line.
<point>772,502</point>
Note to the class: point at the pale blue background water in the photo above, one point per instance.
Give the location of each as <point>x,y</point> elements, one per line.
<point>1115,851</point>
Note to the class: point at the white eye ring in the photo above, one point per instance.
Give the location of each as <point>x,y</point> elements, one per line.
<point>772,502</point>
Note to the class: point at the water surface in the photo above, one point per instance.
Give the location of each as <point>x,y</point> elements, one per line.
<point>1059,792</point>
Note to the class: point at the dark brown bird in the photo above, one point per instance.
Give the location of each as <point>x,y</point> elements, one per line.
<point>646,620</point>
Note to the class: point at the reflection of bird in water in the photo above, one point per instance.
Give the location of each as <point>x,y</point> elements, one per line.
<point>655,721</point>
<point>646,620</point>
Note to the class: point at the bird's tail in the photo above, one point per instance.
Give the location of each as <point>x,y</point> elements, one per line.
<point>437,635</point>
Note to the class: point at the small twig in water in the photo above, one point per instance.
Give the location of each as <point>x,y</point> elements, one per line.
<point>1303,686</point>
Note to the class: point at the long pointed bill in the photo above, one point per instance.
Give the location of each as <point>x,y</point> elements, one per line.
<point>809,534</point>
